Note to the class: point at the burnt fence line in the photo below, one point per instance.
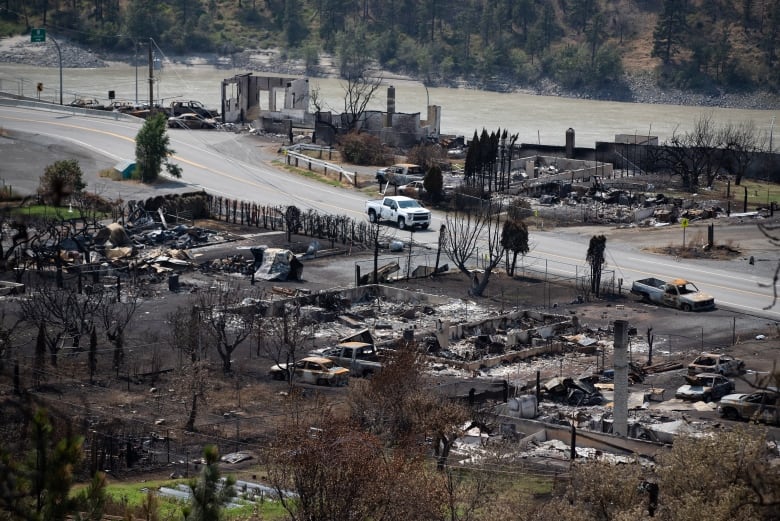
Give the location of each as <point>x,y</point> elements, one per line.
<point>311,223</point>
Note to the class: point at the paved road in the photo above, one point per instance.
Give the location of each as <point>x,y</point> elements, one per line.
<point>206,165</point>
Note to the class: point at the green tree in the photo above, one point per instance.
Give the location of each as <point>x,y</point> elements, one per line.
<point>38,488</point>
<point>670,30</point>
<point>514,238</point>
<point>597,259</point>
<point>147,19</point>
<point>295,31</point>
<point>151,150</point>
<point>60,180</point>
<point>209,496</point>
<point>92,501</point>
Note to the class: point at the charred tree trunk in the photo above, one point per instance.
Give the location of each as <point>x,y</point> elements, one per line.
<point>190,426</point>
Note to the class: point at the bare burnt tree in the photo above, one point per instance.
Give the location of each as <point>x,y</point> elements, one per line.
<point>195,379</point>
<point>772,232</point>
<point>324,490</point>
<point>286,338</point>
<point>15,234</point>
<point>474,238</point>
<point>741,142</point>
<point>397,405</point>
<point>694,156</point>
<point>186,335</point>
<point>115,316</point>
<point>229,317</point>
<point>9,328</point>
<point>378,405</point>
<point>63,312</point>
<point>359,88</point>
<point>316,99</point>
<point>292,221</point>
<point>28,242</point>
<point>348,491</point>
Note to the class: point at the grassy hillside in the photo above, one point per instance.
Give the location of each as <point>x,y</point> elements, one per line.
<point>587,45</point>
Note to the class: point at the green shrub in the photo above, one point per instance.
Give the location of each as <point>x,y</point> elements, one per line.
<point>362,149</point>
<point>61,179</point>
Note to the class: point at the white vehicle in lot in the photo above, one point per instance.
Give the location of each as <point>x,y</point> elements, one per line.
<point>400,209</point>
<point>705,387</point>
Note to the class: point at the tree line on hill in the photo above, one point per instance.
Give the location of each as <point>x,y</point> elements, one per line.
<point>578,44</point>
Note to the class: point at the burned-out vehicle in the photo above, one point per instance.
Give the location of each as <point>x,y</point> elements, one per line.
<point>312,370</point>
<point>726,365</point>
<point>705,387</point>
<point>572,392</point>
<point>761,406</point>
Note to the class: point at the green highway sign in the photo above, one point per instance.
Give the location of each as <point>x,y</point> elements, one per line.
<point>38,35</point>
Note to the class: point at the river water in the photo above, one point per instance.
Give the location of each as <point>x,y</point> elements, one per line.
<point>537,119</point>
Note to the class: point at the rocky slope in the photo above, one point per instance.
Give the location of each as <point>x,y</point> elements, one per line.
<point>636,87</point>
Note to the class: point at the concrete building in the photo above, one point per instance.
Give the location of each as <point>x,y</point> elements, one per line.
<point>272,103</point>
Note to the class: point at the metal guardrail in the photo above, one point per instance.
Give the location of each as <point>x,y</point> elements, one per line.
<point>292,152</point>
<point>10,100</point>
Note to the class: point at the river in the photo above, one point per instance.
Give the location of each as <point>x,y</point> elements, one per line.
<point>537,119</point>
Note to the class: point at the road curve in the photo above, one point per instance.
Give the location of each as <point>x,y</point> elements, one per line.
<point>258,180</point>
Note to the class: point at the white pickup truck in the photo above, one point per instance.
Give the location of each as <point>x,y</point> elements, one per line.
<point>678,293</point>
<point>400,209</point>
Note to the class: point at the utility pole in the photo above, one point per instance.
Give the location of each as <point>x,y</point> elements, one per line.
<point>151,77</point>
<point>135,62</point>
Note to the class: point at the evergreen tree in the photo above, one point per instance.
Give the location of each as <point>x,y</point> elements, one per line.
<point>514,238</point>
<point>38,488</point>
<point>209,495</point>
<point>151,150</point>
<point>472,159</point>
<point>434,183</point>
<point>671,30</point>
<point>596,258</point>
<point>93,500</point>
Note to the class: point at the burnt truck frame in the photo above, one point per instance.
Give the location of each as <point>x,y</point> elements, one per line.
<point>360,358</point>
<point>677,293</point>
